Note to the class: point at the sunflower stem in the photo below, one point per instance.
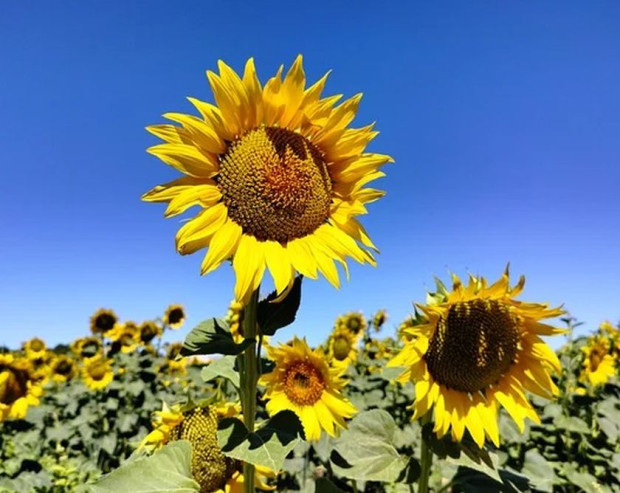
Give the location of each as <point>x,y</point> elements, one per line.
<point>249,374</point>
<point>426,459</point>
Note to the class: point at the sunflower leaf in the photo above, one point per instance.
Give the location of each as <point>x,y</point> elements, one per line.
<point>274,315</point>
<point>212,337</point>
<point>268,446</point>
<point>169,470</point>
<point>366,451</point>
<point>222,367</point>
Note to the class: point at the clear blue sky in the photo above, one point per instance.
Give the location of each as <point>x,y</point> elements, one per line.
<point>503,118</point>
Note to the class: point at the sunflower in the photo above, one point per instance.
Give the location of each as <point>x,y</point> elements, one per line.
<point>63,368</point>
<point>379,319</point>
<point>149,330</point>
<point>302,382</point>
<point>353,322</point>
<point>174,316</point>
<point>474,349</point>
<point>35,349</point>
<point>125,337</point>
<point>598,365</point>
<point>102,321</point>
<point>213,471</point>
<point>87,347</point>
<point>97,373</point>
<point>17,390</point>
<point>174,363</point>
<point>342,348</point>
<point>277,173</point>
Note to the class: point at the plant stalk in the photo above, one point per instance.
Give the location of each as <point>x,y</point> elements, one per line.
<point>426,459</point>
<point>249,375</point>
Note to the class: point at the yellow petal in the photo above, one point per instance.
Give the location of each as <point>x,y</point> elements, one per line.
<point>222,246</point>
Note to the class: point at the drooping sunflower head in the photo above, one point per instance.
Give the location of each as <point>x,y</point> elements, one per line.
<point>379,319</point>
<point>354,322</point>
<point>35,349</point>
<point>97,373</point>
<point>102,321</point>
<point>87,347</point>
<point>17,390</point>
<point>211,469</point>
<point>149,330</point>
<point>474,348</point>
<point>64,368</point>
<point>174,316</point>
<point>599,366</point>
<point>302,382</point>
<point>278,174</point>
<point>342,348</point>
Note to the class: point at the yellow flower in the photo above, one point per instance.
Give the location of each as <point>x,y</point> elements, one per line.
<point>214,472</point>
<point>126,337</point>
<point>278,175</point>
<point>63,368</point>
<point>87,347</point>
<point>353,322</point>
<point>97,373</point>
<point>102,321</point>
<point>35,349</point>
<point>379,319</point>
<point>149,330</point>
<point>598,366</point>
<point>342,348</point>
<point>175,365</point>
<point>17,390</point>
<point>174,316</point>
<point>477,348</point>
<point>303,383</point>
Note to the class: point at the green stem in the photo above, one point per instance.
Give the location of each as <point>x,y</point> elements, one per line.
<point>249,380</point>
<point>426,459</point>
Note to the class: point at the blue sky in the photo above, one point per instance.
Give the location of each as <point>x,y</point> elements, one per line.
<point>503,118</point>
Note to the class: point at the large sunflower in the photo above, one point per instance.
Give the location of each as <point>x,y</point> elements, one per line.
<point>476,348</point>
<point>277,173</point>
<point>303,383</point>
<point>212,470</point>
<point>598,364</point>
<point>97,373</point>
<point>17,390</point>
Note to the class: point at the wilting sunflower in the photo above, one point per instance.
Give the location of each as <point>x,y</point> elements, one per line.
<point>63,368</point>
<point>174,316</point>
<point>342,348</point>
<point>87,347</point>
<point>97,373</point>
<point>476,348</point>
<point>149,330</point>
<point>303,383</point>
<point>598,365</point>
<point>353,322</point>
<point>17,390</point>
<point>102,321</point>
<point>35,349</point>
<point>212,470</point>
<point>278,175</point>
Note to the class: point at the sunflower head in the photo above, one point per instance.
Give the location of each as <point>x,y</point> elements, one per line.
<point>379,319</point>
<point>87,347</point>
<point>35,349</point>
<point>174,316</point>
<point>354,322</point>
<point>342,347</point>
<point>125,337</point>
<point>302,382</point>
<point>63,368</point>
<point>599,366</point>
<point>278,174</point>
<point>102,321</point>
<point>149,330</point>
<point>474,348</point>
<point>17,390</point>
<point>174,363</point>
<point>97,373</point>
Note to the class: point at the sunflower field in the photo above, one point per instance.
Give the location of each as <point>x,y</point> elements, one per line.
<point>465,395</point>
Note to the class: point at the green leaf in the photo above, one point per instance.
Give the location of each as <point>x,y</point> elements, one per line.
<point>324,485</point>
<point>368,449</point>
<point>582,479</point>
<point>539,471</point>
<point>221,367</point>
<point>212,337</point>
<point>481,460</point>
<point>571,423</point>
<point>268,446</point>
<point>169,470</point>
<point>273,316</point>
